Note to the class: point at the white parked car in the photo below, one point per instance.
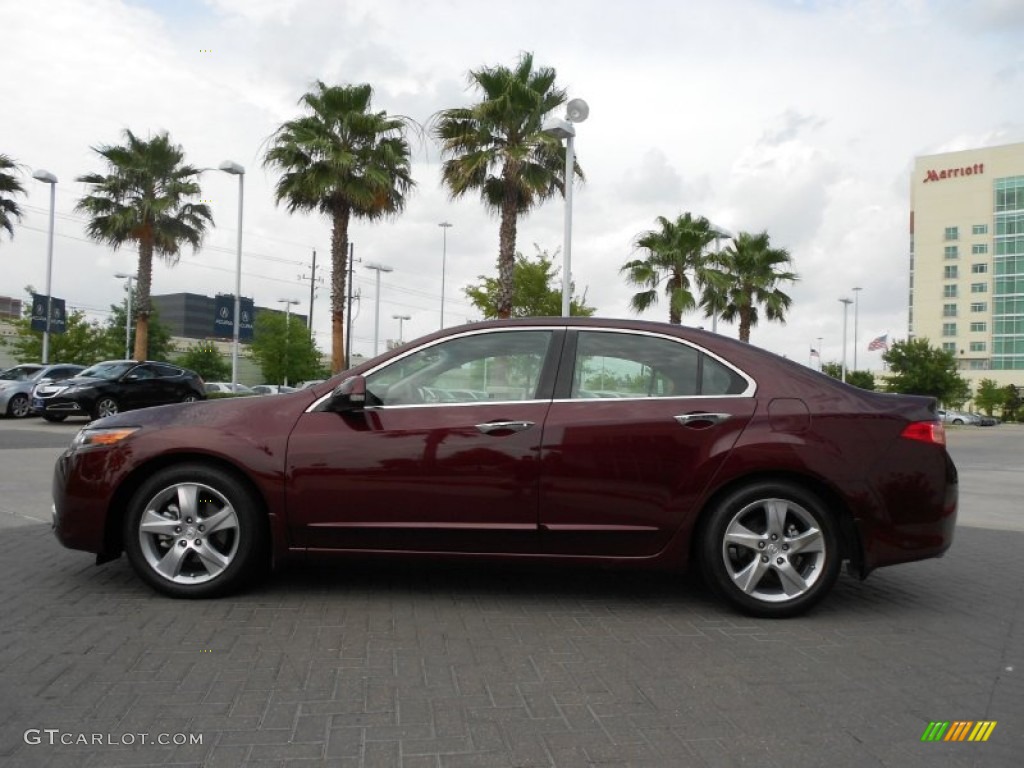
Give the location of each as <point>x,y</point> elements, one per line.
<point>272,389</point>
<point>213,387</point>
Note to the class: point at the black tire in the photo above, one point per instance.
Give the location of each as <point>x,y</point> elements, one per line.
<point>55,417</point>
<point>105,406</point>
<point>18,407</point>
<point>771,549</point>
<point>958,422</point>
<point>239,544</point>
<point>191,397</point>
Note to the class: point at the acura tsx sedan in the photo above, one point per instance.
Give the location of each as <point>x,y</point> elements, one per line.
<point>617,442</point>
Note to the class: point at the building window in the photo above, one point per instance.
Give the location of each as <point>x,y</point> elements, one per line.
<point>979,229</point>
<point>949,310</point>
<point>949,346</point>
<point>949,329</point>
<point>979,269</point>
<point>1010,193</point>
<point>952,251</point>
<point>979,327</point>
<point>979,248</point>
<point>978,365</point>
<point>977,346</point>
<point>949,291</point>
<point>979,306</point>
<point>979,287</point>
<point>952,233</point>
<point>950,272</point>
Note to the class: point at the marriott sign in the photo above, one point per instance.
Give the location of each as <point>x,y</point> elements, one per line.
<point>953,173</point>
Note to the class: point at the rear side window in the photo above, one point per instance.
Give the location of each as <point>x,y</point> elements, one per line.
<point>632,365</point>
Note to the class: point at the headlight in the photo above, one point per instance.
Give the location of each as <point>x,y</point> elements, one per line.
<point>109,436</point>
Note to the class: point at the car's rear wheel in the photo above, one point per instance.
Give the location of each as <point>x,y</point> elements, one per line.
<point>19,407</point>
<point>105,406</point>
<point>54,416</point>
<point>958,422</point>
<point>771,549</point>
<point>190,398</point>
<point>195,531</point>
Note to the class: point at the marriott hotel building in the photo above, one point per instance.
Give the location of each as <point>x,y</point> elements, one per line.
<point>967,259</point>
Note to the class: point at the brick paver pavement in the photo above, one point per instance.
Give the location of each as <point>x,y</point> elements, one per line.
<point>427,666</point>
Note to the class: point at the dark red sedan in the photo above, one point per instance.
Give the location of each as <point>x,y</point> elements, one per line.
<point>620,442</point>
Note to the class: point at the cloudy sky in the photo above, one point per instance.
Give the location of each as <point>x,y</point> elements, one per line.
<point>799,117</point>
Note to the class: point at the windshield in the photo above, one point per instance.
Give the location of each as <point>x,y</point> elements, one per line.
<point>20,373</point>
<point>110,371</point>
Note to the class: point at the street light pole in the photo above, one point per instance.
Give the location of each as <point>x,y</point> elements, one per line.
<point>576,112</point>
<point>127,316</point>
<point>378,268</point>
<point>846,306</point>
<point>856,312</point>
<point>287,332</point>
<point>48,178</point>
<point>445,226</point>
<point>821,364</point>
<point>401,319</point>
<point>235,169</point>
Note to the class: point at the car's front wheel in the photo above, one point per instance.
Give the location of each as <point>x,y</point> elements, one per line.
<point>771,549</point>
<point>19,407</point>
<point>105,406</point>
<point>195,531</point>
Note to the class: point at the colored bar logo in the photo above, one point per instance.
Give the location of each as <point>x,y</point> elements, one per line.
<point>958,730</point>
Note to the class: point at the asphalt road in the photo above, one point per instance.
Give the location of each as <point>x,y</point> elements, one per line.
<point>392,664</point>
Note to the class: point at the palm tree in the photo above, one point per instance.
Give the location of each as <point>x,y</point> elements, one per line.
<point>342,160</point>
<point>9,186</point>
<point>498,148</point>
<point>753,271</point>
<point>675,256</point>
<point>145,198</point>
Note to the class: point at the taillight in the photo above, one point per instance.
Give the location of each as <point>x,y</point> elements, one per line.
<point>926,431</point>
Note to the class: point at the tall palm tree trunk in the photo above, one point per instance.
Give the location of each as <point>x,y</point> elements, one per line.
<point>745,314</point>
<point>142,309</point>
<point>339,271</point>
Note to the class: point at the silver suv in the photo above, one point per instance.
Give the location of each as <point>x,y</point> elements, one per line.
<point>16,385</point>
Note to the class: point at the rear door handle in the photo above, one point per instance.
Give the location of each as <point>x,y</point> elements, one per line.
<point>702,420</point>
<point>491,427</point>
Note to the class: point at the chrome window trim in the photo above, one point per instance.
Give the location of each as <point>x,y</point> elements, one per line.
<point>749,392</point>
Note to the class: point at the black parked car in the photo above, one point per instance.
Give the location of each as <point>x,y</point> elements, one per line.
<point>117,385</point>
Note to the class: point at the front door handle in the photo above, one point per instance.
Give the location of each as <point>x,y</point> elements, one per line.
<point>492,427</point>
<point>702,420</point>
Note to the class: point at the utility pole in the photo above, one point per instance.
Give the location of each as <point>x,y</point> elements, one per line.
<point>313,280</point>
<point>351,297</point>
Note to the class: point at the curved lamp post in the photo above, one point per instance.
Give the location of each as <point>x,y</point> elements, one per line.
<point>229,166</point>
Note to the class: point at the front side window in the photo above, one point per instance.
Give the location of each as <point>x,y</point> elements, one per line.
<point>497,366</point>
<point>615,365</point>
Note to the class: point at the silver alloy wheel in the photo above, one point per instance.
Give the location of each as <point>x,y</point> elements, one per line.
<point>188,533</point>
<point>19,407</point>
<point>774,550</point>
<point>106,406</point>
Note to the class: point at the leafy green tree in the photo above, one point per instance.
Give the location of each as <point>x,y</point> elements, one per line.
<point>80,343</point>
<point>145,198</point>
<point>918,368</point>
<point>748,275</point>
<point>989,396</point>
<point>10,185</point>
<point>342,160</point>
<point>676,257</point>
<point>205,359</point>
<point>283,349</point>
<point>159,344</point>
<point>537,291</point>
<point>1011,402</point>
<point>498,147</point>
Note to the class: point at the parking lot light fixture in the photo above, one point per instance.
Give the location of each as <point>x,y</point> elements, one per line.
<point>48,178</point>
<point>378,268</point>
<point>229,166</point>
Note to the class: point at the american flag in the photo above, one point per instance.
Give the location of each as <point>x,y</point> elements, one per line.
<point>882,342</point>
<point>814,352</point>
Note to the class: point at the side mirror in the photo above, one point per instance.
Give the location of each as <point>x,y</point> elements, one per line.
<point>349,396</point>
